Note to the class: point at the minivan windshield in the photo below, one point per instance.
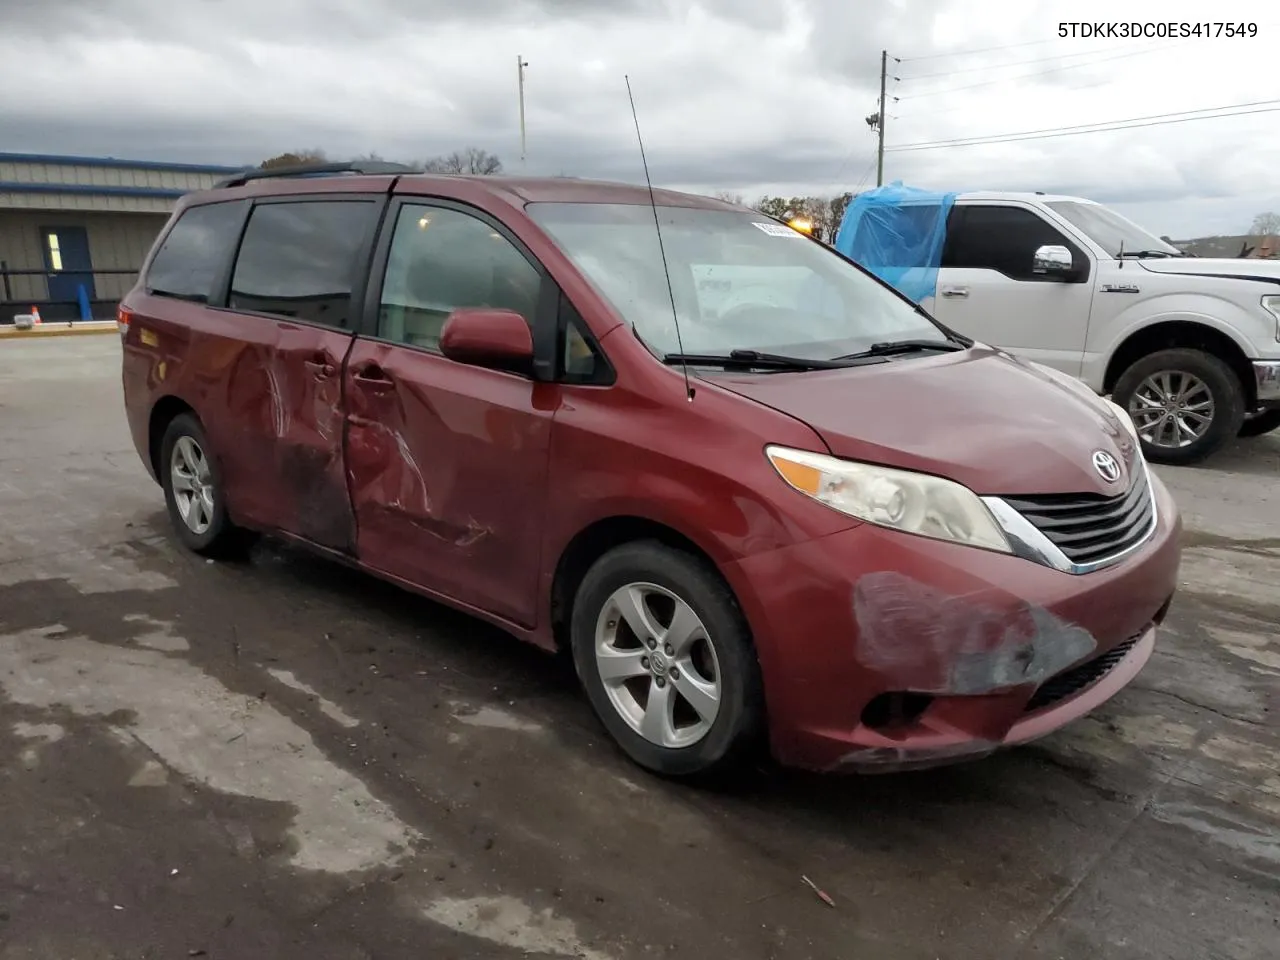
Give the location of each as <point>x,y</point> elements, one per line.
<point>1112,232</point>
<point>740,281</point>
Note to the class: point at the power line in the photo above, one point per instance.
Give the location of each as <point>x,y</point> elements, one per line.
<point>1038,73</point>
<point>966,53</point>
<point>1021,63</point>
<point>1156,120</point>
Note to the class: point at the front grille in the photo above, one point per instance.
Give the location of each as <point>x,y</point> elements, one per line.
<point>1073,681</point>
<point>1088,527</point>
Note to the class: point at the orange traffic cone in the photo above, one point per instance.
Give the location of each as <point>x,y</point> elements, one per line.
<point>35,313</point>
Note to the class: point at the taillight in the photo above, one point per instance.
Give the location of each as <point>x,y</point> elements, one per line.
<point>123,317</point>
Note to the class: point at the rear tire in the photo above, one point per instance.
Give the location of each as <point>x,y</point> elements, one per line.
<point>652,622</point>
<point>1185,403</point>
<point>1260,423</point>
<point>194,493</point>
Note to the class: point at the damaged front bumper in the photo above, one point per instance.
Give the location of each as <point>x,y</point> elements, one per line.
<point>882,651</point>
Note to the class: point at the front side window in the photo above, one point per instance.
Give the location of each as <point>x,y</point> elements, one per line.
<point>740,281</point>
<point>195,251</point>
<point>299,260</point>
<point>1112,232</point>
<point>1004,239</point>
<point>442,260</point>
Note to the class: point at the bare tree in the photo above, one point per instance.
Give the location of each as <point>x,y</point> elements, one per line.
<point>1265,224</point>
<point>472,160</point>
<point>294,158</point>
<point>728,196</point>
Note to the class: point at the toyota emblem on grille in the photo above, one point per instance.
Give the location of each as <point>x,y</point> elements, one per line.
<point>1108,467</point>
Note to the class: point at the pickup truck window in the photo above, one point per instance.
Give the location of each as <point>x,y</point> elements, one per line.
<point>1111,231</point>
<point>1004,239</point>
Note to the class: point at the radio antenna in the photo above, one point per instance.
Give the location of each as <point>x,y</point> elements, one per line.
<point>653,203</point>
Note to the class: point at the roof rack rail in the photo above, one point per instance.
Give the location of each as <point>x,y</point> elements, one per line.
<point>358,167</point>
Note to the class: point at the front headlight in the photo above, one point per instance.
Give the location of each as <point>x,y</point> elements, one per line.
<point>899,499</point>
<point>1271,304</point>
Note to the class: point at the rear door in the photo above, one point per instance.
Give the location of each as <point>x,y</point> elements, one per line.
<point>987,289</point>
<point>298,272</point>
<point>448,462</point>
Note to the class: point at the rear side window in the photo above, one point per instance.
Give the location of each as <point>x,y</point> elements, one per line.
<point>301,260</point>
<point>195,251</point>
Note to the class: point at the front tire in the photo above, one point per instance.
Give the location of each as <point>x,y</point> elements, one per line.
<point>665,656</point>
<point>1185,403</point>
<point>193,490</point>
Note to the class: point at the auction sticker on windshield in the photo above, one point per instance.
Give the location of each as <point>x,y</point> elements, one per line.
<point>777,229</point>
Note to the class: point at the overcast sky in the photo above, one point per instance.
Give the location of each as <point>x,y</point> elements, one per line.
<point>754,96</point>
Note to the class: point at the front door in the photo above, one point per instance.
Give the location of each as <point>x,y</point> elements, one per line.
<point>69,266</point>
<point>296,278</point>
<point>986,287</point>
<point>447,462</point>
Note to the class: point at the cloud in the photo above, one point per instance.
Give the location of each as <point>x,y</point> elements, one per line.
<point>747,95</point>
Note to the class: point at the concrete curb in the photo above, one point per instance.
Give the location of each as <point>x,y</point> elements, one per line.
<point>60,329</point>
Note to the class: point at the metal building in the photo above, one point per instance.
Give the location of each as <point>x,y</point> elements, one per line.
<point>74,230</point>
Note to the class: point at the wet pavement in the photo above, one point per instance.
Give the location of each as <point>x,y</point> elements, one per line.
<point>285,759</point>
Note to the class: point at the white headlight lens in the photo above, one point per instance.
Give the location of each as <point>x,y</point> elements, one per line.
<point>1272,305</point>
<point>900,499</point>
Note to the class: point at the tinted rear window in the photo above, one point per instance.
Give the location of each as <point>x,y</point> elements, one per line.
<point>299,259</point>
<point>194,252</point>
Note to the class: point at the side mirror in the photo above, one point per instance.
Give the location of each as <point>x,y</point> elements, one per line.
<point>1053,261</point>
<point>485,337</point>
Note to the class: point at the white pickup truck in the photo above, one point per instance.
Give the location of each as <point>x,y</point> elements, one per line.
<point>1190,347</point>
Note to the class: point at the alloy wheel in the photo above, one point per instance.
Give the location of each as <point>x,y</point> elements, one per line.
<point>658,665</point>
<point>1172,409</point>
<point>192,485</point>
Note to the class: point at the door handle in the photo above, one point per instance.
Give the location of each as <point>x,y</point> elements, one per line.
<point>372,377</point>
<point>955,293</point>
<point>320,369</point>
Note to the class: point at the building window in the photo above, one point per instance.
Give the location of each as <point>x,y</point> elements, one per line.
<point>55,252</point>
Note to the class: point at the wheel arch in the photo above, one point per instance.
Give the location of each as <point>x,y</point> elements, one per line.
<point>593,542</point>
<point>163,412</point>
<point>1181,334</point>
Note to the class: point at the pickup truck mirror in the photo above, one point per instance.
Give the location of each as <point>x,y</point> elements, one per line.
<point>1053,261</point>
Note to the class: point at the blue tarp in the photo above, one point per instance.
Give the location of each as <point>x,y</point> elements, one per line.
<point>897,233</point>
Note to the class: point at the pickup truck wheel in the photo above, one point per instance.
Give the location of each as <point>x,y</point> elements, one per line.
<point>1185,403</point>
<point>1260,423</point>
<point>666,659</point>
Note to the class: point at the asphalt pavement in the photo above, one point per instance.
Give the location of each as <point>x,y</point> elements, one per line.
<point>286,759</point>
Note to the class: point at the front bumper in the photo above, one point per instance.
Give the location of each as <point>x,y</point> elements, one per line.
<point>1266,375</point>
<point>886,651</point>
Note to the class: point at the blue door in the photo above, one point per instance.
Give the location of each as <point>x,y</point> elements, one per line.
<point>66,258</point>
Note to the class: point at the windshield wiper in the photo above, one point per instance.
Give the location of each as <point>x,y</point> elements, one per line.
<point>1142,254</point>
<point>889,347</point>
<point>754,358</point>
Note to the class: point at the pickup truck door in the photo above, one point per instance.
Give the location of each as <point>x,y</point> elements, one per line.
<point>988,289</point>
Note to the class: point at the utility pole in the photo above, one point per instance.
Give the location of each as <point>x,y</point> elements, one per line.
<point>521,63</point>
<point>884,69</point>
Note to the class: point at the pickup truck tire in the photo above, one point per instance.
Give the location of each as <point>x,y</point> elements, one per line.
<point>1202,384</point>
<point>1260,423</point>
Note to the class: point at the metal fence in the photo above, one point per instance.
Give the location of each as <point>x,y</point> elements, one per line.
<point>86,295</point>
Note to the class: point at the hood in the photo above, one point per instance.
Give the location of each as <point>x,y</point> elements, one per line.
<point>1264,271</point>
<point>999,425</point>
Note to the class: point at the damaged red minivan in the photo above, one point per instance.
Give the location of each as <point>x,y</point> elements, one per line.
<point>762,498</point>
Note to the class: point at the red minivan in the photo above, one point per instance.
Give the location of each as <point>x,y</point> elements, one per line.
<point>763,499</point>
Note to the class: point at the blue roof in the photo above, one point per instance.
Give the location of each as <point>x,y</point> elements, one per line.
<point>60,160</point>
